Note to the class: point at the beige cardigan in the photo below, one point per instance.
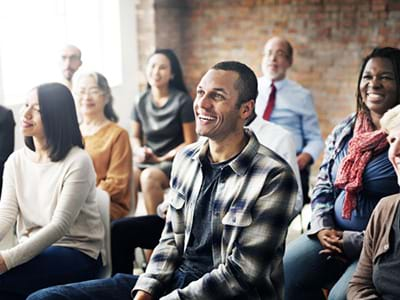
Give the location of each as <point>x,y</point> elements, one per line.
<point>376,242</point>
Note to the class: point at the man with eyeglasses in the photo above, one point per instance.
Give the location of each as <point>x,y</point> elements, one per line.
<point>288,104</point>
<point>70,63</point>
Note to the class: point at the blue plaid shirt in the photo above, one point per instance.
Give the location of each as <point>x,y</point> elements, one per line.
<point>253,202</point>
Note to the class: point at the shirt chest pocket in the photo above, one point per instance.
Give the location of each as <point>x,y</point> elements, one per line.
<point>176,200</point>
<point>237,217</point>
<point>177,211</point>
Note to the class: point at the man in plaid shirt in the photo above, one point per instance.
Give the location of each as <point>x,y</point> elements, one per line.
<point>230,204</point>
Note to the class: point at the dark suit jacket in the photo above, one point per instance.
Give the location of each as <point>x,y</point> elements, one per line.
<point>7,125</point>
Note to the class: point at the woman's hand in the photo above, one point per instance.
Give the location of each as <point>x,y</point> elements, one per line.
<point>141,295</point>
<point>331,240</point>
<point>145,155</point>
<point>151,157</point>
<point>3,267</point>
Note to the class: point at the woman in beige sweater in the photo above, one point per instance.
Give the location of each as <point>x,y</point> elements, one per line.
<point>107,143</point>
<point>49,191</point>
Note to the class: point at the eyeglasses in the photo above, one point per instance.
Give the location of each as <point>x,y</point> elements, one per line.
<point>277,54</point>
<point>70,57</point>
<point>92,92</point>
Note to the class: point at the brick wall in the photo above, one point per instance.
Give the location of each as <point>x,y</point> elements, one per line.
<point>329,37</point>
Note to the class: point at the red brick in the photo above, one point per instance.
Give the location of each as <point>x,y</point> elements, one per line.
<point>330,37</point>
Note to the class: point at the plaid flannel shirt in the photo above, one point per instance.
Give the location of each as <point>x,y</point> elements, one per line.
<point>254,200</point>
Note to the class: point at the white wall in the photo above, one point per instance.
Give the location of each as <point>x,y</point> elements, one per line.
<point>125,93</point>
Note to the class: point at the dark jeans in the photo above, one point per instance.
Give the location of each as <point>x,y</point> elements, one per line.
<point>307,272</point>
<point>116,288</point>
<point>130,233</point>
<point>55,265</point>
<point>305,183</point>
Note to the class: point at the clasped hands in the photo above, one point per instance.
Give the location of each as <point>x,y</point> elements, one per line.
<point>145,155</point>
<point>332,241</point>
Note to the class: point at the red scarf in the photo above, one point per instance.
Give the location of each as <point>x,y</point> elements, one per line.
<point>365,143</point>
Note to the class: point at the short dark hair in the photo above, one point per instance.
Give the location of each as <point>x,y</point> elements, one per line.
<point>392,54</point>
<point>60,122</point>
<point>246,84</point>
<point>177,81</point>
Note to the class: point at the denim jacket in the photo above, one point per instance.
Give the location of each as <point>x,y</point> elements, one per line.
<point>323,198</point>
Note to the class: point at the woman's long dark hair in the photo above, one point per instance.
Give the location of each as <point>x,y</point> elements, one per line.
<point>60,122</point>
<point>392,54</point>
<point>177,81</point>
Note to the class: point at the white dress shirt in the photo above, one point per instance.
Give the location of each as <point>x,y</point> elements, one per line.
<point>294,110</point>
<point>282,142</point>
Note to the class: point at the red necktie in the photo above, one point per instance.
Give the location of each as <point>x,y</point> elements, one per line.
<point>271,102</point>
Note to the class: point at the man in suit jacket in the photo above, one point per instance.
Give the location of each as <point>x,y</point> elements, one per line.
<point>7,125</point>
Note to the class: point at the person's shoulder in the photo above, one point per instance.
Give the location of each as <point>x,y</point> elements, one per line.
<point>267,158</point>
<point>19,158</point>
<point>4,110</point>
<point>270,157</point>
<point>192,149</point>
<point>349,120</point>
<point>77,155</point>
<point>143,97</point>
<point>269,133</point>
<point>298,89</point>
<point>186,158</point>
<point>262,79</point>
<point>180,95</point>
<point>388,203</point>
<point>277,129</point>
<point>17,155</point>
<point>117,129</point>
<point>5,114</point>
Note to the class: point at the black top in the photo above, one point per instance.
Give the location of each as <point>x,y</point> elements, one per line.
<point>162,126</point>
<point>197,259</point>
<point>7,125</point>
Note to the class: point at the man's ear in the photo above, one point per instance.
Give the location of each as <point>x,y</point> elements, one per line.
<point>247,108</point>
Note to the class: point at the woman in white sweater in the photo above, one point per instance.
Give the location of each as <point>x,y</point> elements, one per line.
<point>49,190</point>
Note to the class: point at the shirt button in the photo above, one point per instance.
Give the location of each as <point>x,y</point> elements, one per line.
<point>385,247</point>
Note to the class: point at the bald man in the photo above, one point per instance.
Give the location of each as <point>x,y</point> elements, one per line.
<point>70,63</point>
<point>287,103</point>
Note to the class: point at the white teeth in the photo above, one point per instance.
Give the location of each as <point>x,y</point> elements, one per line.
<point>207,118</point>
<point>374,94</point>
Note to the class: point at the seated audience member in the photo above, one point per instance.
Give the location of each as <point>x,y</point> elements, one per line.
<point>107,143</point>
<point>70,62</point>
<point>286,103</point>
<point>226,225</point>
<point>7,125</point>
<point>355,174</point>
<point>49,190</point>
<point>378,274</point>
<point>145,231</point>
<point>163,122</point>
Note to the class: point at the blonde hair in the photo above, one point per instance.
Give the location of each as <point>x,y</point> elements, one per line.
<point>391,119</point>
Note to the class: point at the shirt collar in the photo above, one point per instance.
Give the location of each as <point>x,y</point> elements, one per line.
<point>278,84</point>
<point>242,162</point>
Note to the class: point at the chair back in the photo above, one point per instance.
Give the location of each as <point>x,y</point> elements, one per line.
<point>103,201</point>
